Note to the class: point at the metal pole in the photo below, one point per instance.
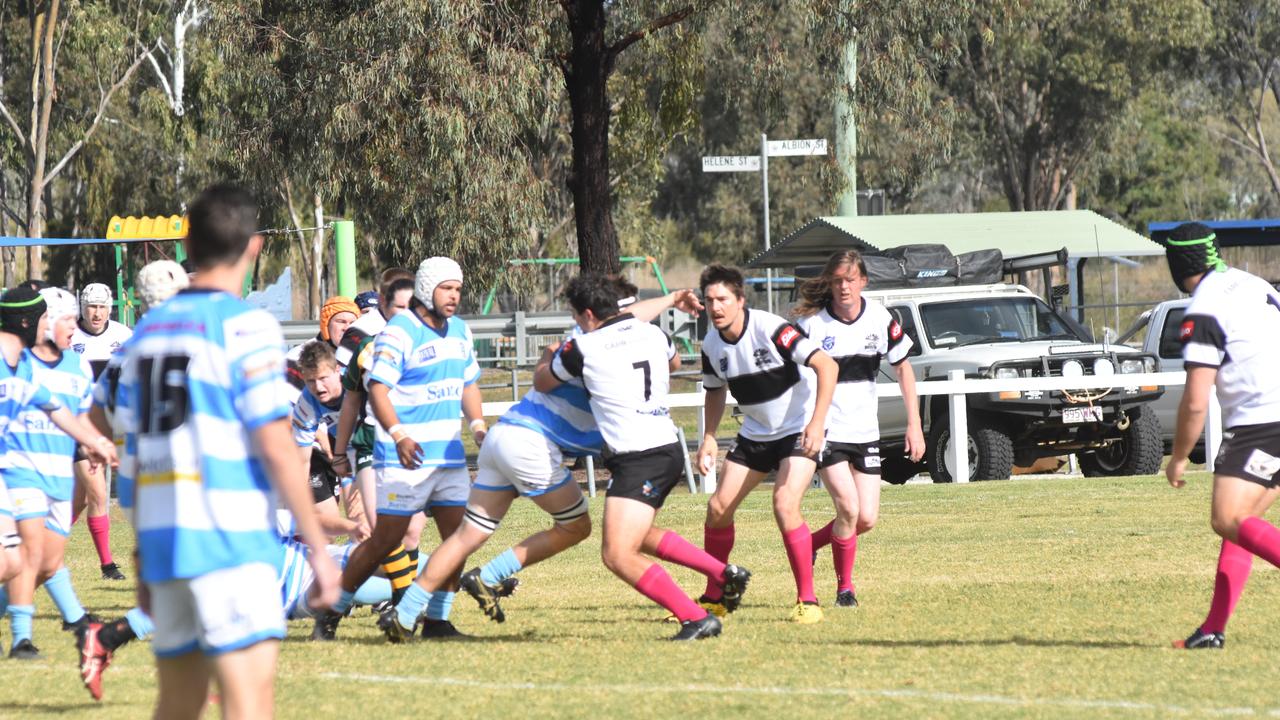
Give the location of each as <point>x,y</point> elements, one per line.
<point>764,185</point>
<point>847,129</point>
<point>591,476</point>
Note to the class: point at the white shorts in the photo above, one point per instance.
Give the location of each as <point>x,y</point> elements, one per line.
<point>514,457</point>
<point>31,503</point>
<point>409,492</point>
<point>218,612</point>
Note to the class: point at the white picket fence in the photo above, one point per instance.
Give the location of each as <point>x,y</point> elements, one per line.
<point>956,387</point>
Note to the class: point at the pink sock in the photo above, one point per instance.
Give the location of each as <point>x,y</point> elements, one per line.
<point>1260,538</point>
<point>1234,564</point>
<point>822,538</point>
<point>718,542</point>
<point>100,529</point>
<point>658,586</point>
<point>844,550</point>
<point>676,549</point>
<point>799,543</point>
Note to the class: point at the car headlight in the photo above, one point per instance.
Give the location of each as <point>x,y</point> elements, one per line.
<point>1129,367</point>
<point>1006,373</point>
<point>1072,368</point>
<point>1149,364</point>
<point>1103,367</point>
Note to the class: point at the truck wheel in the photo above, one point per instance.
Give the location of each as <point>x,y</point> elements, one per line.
<point>1138,452</point>
<point>990,452</point>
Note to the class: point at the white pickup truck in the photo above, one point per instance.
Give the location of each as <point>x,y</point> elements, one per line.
<point>1163,324</point>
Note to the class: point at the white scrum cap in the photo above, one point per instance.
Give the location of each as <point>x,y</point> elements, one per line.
<point>432,272</point>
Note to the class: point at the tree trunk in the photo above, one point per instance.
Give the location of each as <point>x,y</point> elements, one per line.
<point>586,75</point>
<point>42,41</point>
<point>317,252</point>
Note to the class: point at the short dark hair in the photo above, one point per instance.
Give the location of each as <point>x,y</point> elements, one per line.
<point>717,274</point>
<point>315,354</point>
<point>219,225</point>
<point>595,292</point>
<point>390,277</point>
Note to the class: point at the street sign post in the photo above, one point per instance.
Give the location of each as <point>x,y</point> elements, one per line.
<point>760,163</point>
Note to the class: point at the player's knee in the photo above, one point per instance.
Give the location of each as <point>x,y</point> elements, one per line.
<point>1226,524</point>
<point>611,556</point>
<point>574,520</point>
<point>867,520</point>
<point>719,511</point>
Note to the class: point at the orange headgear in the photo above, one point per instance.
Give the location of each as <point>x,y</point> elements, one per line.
<point>333,306</point>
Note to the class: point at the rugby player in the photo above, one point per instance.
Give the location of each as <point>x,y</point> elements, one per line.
<point>857,333</point>
<point>1231,337</point>
<point>758,356</point>
<point>423,376</point>
<point>625,365</point>
<point>211,446</point>
<point>316,413</point>
<point>523,455</point>
<point>96,337</point>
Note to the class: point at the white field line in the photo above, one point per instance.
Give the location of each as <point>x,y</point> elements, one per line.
<point>891,694</point>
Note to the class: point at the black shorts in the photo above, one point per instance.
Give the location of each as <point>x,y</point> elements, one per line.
<point>764,455</point>
<point>1251,452</point>
<point>648,475</point>
<point>864,456</point>
<point>324,483</point>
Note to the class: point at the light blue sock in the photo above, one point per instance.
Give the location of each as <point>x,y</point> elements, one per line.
<point>500,568</point>
<point>64,596</point>
<point>140,623</point>
<point>20,617</point>
<point>373,591</point>
<point>345,600</point>
<point>439,605</point>
<point>410,606</point>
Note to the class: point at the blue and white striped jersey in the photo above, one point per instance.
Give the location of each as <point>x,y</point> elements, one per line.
<point>309,414</point>
<point>202,372</point>
<point>562,416</point>
<point>426,371</point>
<point>40,455</point>
<point>17,393</point>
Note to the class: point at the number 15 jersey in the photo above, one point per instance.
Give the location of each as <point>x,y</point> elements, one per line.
<point>204,370</point>
<point>625,365</point>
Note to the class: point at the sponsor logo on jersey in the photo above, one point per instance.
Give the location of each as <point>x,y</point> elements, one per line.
<point>78,347</point>
<point>788,337</point>
<point>873,341</point>
<point>426,353</point>
<point>763,357</point>
<point>724,364</point>
<point>895,330</point>
<point>828,342</point>
<point>1187,328</point>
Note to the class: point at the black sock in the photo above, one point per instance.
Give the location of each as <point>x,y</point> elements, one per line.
<point>114,634</point>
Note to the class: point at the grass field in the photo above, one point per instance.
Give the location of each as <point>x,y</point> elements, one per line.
<point>1025,598</point>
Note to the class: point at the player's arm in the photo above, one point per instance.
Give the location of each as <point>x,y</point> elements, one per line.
<point>97,448</point>
<point>98,418</point>
<point>648,310</point>
<point>828,372</point>
<point>1192,411</point>
<point>915,432</point>
<point>713,402</point>
<point>385,413</point>
<point>472,400</point>
<point>352,402</point>
<point>558,366</point>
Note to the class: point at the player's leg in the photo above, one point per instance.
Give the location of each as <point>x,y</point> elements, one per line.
<point>53,573</point>
<point>669,545</point>
<point>364,560</point>
<point>22,587</point>
<point>448,513</point>
<point>182,671</point>
<point>98,519</point>
<point>840,533</point>
<point>96,643</point>
<point>794,477</point>
<point>626,525</point>
<point>182,684</point>
<point>246,680</point>
<point>737,480</point>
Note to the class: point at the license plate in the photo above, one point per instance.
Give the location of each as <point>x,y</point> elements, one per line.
<point>1072,416</point>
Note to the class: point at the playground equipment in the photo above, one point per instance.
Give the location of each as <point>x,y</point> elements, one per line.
<point>553,263</point>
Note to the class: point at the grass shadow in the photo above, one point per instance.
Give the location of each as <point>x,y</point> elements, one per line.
<point>1016,640</point>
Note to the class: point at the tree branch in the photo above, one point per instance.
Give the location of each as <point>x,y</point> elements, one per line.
<point>13,125</point>
<point>641,33</point>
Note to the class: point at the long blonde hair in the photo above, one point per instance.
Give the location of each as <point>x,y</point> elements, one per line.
<point>815,293</point>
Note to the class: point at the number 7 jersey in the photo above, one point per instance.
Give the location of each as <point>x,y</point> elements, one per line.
<point>203,371</point>
<point>624,364</point>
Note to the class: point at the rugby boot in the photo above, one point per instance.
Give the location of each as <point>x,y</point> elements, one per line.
<point>846,598</point>
<point>24,650</point>
<point>86,619</point>
<point>735,584</point>
<point>1201,640</point>
<point>94,657</point>
<point>389,624</point>
<point>485,595</point>
<point>706,627</point>
<point>508,586</point>
<point>111,571</point>
<point>326,626</point>
<point>806,613</point>
<point>440,630</point>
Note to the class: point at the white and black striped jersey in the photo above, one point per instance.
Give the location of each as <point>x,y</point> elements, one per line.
<point>857,347</point>
<point>624,364</point>
<point>762,370</point>
<point>1233,324</point>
